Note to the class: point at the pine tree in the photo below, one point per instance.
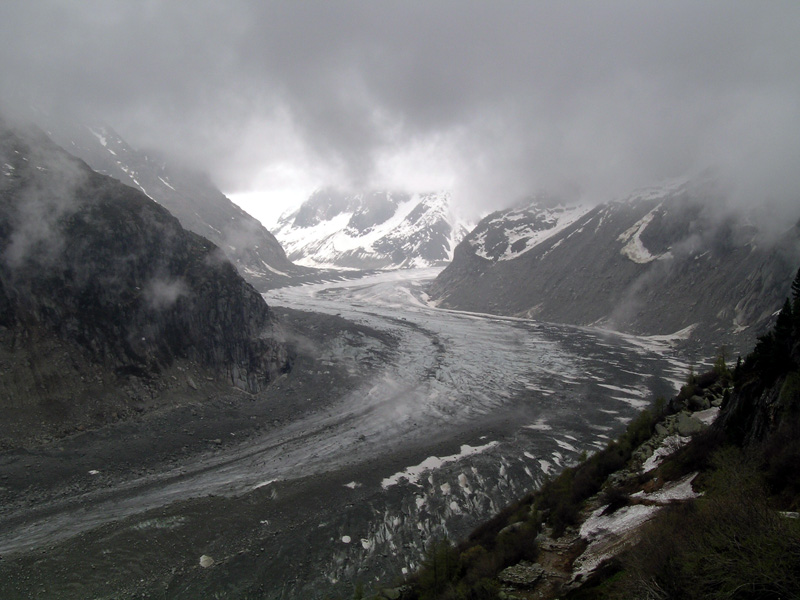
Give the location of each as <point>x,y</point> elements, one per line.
<point>784,339</point>
<point>783,325</point>
<point>796,303</point>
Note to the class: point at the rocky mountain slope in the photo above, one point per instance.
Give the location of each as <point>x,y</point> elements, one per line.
<point>697,499</point>
<point>666,260</point>
<point>376,230</point>
<point>189,195</point>
<point>106,303</point>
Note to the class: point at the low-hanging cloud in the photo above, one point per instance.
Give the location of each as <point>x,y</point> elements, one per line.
<point>494,99</point>
<point>34,219</point>
<point>163,293</point>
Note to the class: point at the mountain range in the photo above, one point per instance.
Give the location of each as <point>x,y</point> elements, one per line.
<point>107,305</point>
<point>374,230</point>
<point>667,260</point>
<point>188,194</point>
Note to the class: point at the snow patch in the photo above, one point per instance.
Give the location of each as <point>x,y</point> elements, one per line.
<point>264,483</point>
<point>674,491</point>
<point>668,446</point>
<point>166,183</point>
<point>100,135</point>
<point>566,446</point>
<point>608,534</point>
<point>539,425</point>
<point>634,249</point>
<point>413,474</point>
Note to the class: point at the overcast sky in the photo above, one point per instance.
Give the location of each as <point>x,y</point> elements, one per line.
<point>491,99</point>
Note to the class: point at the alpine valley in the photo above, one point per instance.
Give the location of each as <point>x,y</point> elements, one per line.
<point>171,432</point>
<point>670,260</point>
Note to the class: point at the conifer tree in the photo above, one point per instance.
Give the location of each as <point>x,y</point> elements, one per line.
<point>796,303</point>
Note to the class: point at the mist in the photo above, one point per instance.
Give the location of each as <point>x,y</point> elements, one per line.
<point>492,101</point>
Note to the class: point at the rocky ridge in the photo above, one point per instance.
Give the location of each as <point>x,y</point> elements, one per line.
<point>665,261</point>
<point>107,304</point>
<point>189,195</point>
<point>375,230</point>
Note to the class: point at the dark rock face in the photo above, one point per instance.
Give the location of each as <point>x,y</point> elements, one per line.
<point>376,208</point>
<point>321,206</point>
<point>654,264</point>
<point>93,269</point>
<point>188,195</point>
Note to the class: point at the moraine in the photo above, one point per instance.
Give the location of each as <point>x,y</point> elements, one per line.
<point>461,415</point>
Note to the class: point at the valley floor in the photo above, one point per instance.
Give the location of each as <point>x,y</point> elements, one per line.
<point>400,423</point>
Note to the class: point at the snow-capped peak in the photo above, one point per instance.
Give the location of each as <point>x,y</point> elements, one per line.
<point>371,230</point>
<point>507,235</point>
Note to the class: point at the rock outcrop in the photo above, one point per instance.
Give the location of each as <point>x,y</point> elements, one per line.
<point>103,294</point>
<point>189,195</point>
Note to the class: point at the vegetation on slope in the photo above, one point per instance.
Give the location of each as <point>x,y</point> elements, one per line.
<point>736,541</point>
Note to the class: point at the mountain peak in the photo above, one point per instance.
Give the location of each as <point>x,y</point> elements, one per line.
<point>368,230</point>
<point>188,194</point>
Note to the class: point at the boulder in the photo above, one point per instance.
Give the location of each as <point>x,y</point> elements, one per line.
<point>698,403</point>
<point>688,425</point>
<point>522,575</point>
<point>661,430</point>
<point>206,561</point>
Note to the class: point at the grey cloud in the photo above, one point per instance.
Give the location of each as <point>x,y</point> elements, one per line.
<point>593,97</point>
<point>162,294</point>
<point>34,221</point>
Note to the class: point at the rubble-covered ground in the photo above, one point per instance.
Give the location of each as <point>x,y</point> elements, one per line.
<point>399,423</point>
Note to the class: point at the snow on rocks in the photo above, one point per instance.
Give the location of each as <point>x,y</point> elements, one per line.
<point>708,416</point>
<point>674,491</point>
<point>608,535</point>
<point>522,230</point>
<point>413,474</point>
<point>669,445</point>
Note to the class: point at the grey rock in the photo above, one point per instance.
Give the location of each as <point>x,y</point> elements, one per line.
<point>522,575</point>
<point>206,561</point>
<point>697,403</point>
<point>687,425</point>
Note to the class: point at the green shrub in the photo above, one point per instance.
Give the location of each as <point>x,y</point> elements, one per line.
<point>729,544</point>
